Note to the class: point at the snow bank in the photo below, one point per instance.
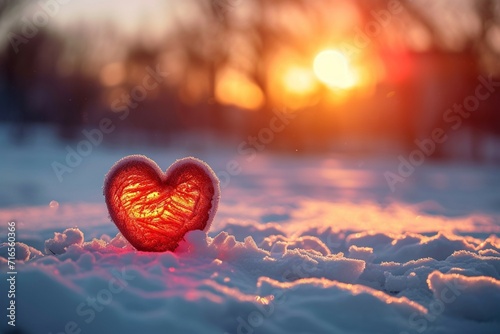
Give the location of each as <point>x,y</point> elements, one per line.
<point>474,298</point>
<point>327,249</point>
<point>262,279</point>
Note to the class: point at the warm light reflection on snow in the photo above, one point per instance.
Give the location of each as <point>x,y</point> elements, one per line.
<point>387,275</point>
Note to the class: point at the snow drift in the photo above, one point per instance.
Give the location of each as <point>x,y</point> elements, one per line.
<point>272,280</point>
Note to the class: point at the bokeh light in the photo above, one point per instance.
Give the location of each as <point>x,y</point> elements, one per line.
<point>333,69</point>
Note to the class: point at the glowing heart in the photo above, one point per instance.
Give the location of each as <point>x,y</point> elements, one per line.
<point>154,210</point>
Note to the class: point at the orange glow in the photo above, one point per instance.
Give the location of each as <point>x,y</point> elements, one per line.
<point>299,80</point>
<point>112,74</point>
<point>291,81</point>
<point>333,68</point>
<point>234,88</point>
<point>298,87</point>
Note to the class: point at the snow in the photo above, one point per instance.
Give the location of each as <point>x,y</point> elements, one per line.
<point>61,241</point>
<point>299,245</point>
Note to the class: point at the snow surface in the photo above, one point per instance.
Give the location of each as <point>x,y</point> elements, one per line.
<point>312,245</point>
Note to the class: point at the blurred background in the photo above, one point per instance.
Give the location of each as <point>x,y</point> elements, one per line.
<point>361,76</point>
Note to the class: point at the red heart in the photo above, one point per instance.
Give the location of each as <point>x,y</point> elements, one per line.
<point>154,210</point>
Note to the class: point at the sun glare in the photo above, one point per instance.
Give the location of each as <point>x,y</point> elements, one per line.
<point>299,80</point>
<point>333,68</point>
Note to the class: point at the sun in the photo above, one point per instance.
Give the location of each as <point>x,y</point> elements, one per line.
<point>333,68</point>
